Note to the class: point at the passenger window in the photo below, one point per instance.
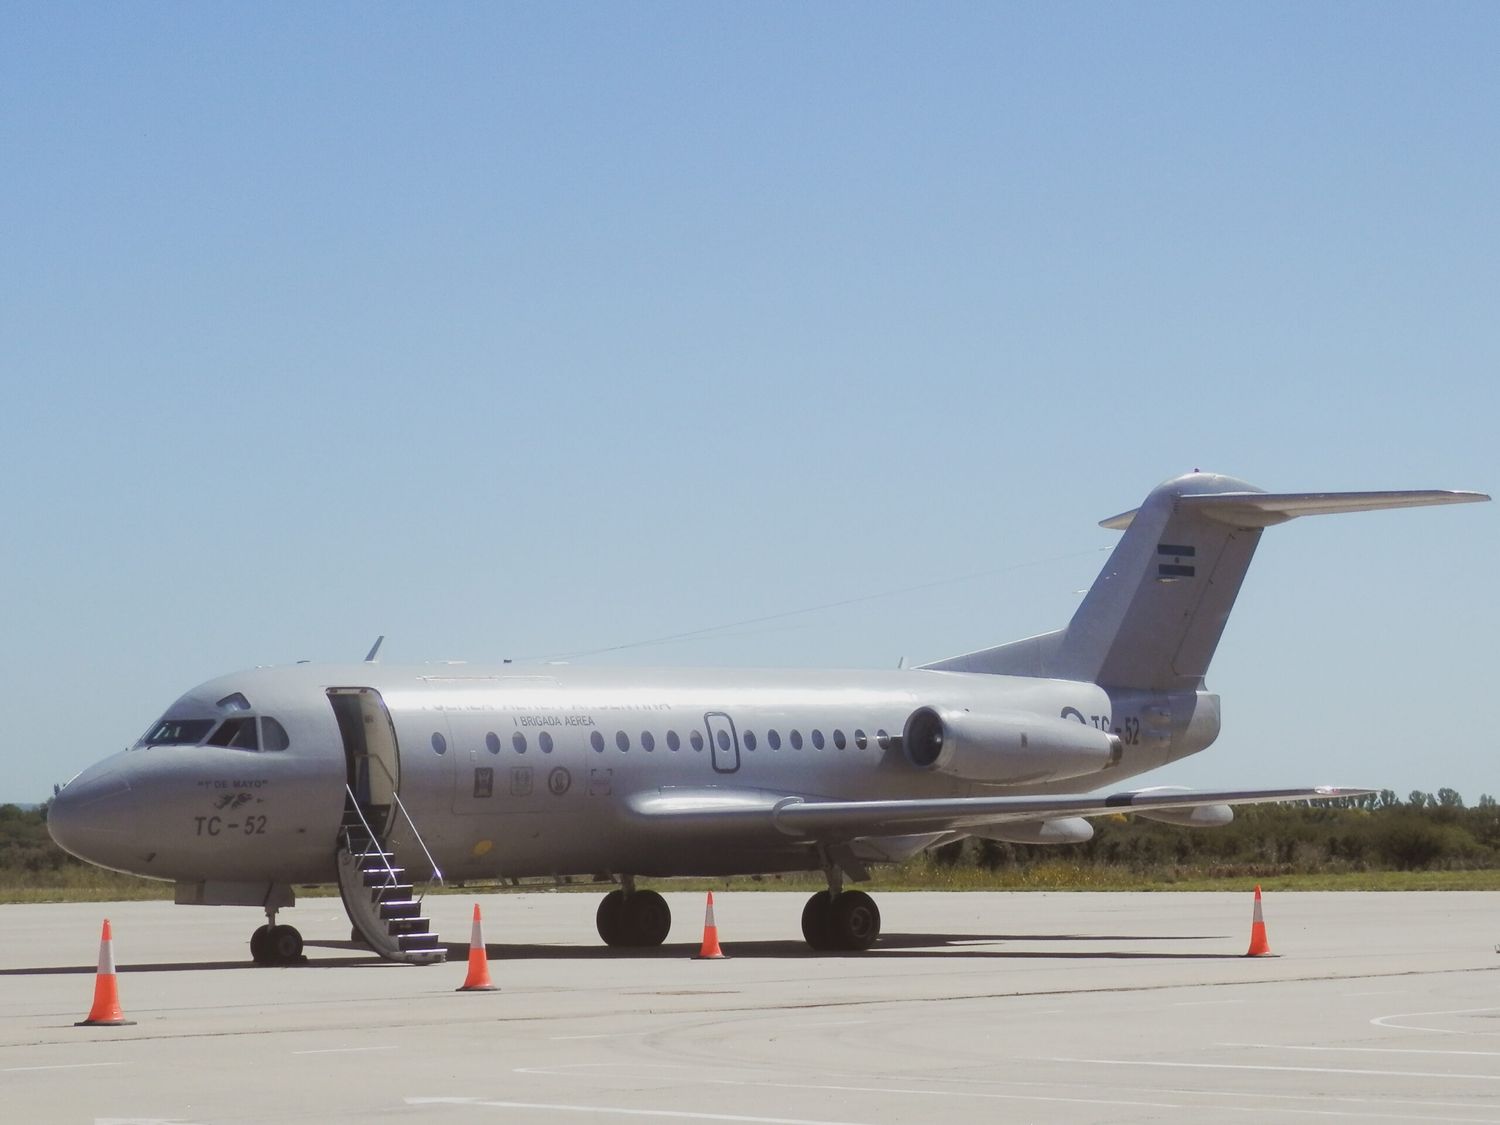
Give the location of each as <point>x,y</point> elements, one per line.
<point>622,740</point>
<point>544,740</point>
<point>796,740</point>
<point>439,743</point>
<point>518,740</point>
<point>838,739</point>
<point>773,736</point>
<point>860,740</point>
<point>673,742</point>
<point>648,741</point>
<point>273,735</point>
<point>492,742</point>
<point>723,740</point>
<point>749,740</point>
<point>236,734</point>
<point>818,739</point>
<point>697,740</point>
<point>883,740</point>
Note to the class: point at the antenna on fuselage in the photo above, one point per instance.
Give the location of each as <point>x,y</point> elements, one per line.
<point>370,657</point>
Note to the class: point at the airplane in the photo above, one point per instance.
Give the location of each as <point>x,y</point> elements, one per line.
<point>381,777</point>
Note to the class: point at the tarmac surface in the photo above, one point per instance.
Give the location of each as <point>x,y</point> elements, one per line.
<point>974,1008</point>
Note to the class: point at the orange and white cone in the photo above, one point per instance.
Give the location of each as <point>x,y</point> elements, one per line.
<point>106,1010</point>
<point>710,950</point>
<point>1259,946</point>
<point>478,979</point>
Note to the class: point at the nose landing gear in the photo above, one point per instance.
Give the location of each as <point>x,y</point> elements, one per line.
<point>276,945</point>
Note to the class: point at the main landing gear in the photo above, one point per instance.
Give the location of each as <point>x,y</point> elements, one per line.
<point>633,919</point>
<point>276,945</point>
<point>840,919</point>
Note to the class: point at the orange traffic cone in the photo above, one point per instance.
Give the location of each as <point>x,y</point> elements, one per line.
<point>478,979</point>
<point>106,1010</point>
<point>1259,946</point>
<point>710,949</point>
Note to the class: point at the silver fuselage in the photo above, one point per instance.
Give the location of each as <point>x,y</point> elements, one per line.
<point>517,771</point>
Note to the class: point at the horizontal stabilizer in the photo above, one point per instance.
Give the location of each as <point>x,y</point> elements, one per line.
<point>1264,509</point>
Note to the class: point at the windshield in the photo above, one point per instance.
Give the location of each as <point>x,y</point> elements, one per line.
<point>178,732</point>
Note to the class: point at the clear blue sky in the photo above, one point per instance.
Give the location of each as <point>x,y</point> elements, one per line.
<point>516,330</point>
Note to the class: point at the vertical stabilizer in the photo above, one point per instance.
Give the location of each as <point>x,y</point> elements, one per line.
<point>1154,616</point>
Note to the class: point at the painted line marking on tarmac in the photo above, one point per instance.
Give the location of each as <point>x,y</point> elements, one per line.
<point>1363,1050</point>
<point>602,1035</point>
<point>1196,1091</point>
<point>622,1111</point>
<point>1285,1069</point>
<point>1361,1115</point>
<point>57,1066</point>
<point>1385,1021</point>
<point>347,1050</point>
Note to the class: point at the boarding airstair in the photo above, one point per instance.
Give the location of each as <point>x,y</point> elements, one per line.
<point>384,906</point>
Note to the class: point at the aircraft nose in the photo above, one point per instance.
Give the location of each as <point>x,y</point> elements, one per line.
<point>94,814</point>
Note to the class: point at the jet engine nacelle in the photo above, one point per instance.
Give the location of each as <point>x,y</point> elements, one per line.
<point>1006,748</point>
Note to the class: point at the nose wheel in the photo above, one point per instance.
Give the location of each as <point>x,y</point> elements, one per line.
<point>276,945</point>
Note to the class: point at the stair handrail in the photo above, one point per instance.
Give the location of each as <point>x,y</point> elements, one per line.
<point>437,872</point>
<point>369,834</point>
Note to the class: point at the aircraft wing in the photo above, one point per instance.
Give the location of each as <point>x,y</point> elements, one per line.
<point>826,821</point>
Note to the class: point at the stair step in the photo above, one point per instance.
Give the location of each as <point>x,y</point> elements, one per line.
<point>396,892</point>
<point>417,941</point>
<point>399,908</point>
<point>384,877</point>
<point>410,926</point>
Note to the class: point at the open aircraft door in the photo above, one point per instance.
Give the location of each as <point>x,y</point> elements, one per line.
<point>372,755</point>
<point>723,741</point>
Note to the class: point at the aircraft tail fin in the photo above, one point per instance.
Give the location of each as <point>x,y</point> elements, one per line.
<point>1153,617</point>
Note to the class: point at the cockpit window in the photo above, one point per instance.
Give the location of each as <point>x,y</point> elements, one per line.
<point>235,702</point>
<point>273,735</point>
<point>178,732</point>
<point>237,734</point>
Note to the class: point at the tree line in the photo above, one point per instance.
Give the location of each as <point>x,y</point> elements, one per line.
<point>1376,832</point>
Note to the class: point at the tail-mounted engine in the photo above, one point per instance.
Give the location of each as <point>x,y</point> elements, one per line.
<point>1006,749</point>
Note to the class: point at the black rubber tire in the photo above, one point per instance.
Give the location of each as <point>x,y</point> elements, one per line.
<point>854,921</point>
<point>817,921</point>
<point>648,919</point>
<point>285,944</point>
<point>260,947</point>
<point>610,919</point>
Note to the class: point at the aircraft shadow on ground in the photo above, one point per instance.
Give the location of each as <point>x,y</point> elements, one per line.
<point>891,945</point>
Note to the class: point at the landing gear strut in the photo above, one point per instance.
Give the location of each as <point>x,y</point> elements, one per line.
<point>276,945</point>
<point>840,919</point>
<point>635,919</point>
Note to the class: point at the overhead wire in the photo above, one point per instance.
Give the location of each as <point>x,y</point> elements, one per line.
<point>708,631</point>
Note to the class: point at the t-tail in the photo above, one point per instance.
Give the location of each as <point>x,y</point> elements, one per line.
<point>1152,619</point>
